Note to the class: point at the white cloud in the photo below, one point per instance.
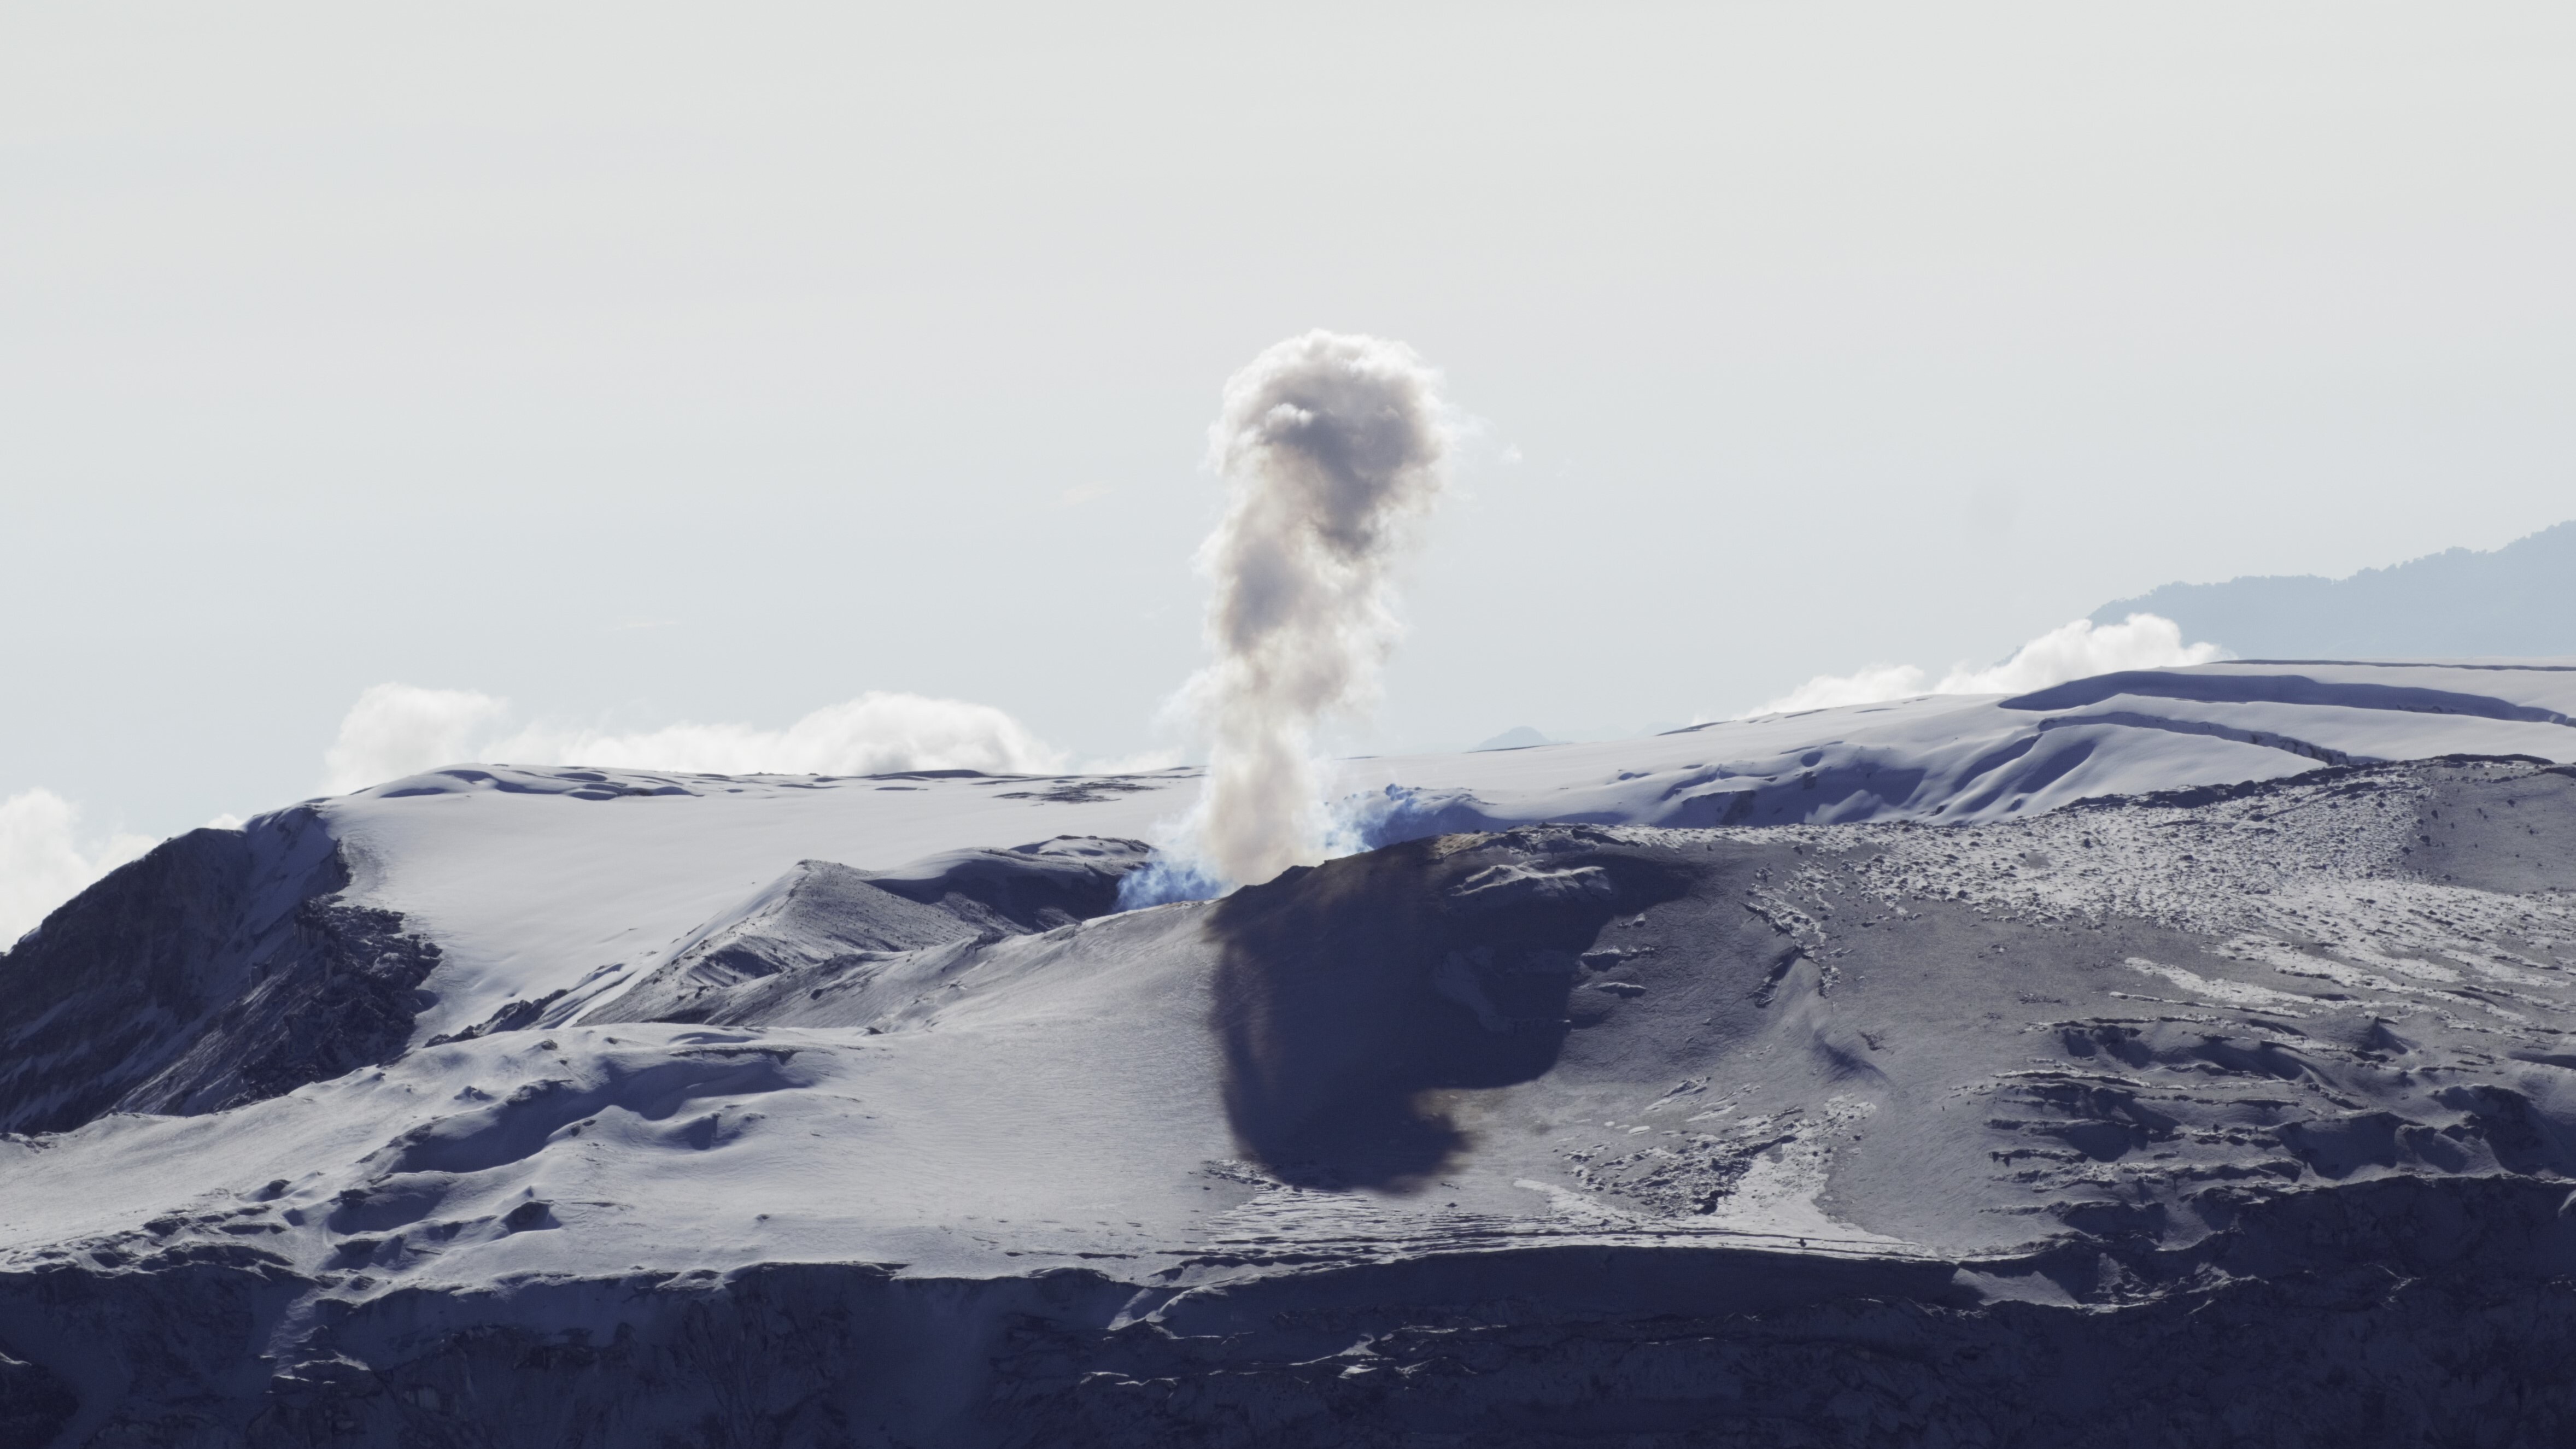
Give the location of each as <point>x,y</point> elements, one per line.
<point>871,735</point>
<point>42,862</point>
<point>399,729</point>
<point>1872,684</point>
<point>2072,651</point>
<point>2080,651</point>
<point>402,729</point>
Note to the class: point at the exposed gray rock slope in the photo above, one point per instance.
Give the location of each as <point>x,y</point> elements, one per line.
<point>220,968</point>
<point>2402,1311</point>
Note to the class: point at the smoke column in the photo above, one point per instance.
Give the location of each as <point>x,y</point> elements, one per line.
<point>1334,447</point>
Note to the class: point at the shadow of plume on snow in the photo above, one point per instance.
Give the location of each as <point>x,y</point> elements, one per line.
<point>1352,997</point>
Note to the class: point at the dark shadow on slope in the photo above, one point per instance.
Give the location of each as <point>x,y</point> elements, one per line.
<point>1026,888</point>
<point>826,916</point>
<point>521,1125</point>
<point>2275,689</point>
<point>1350,996</point>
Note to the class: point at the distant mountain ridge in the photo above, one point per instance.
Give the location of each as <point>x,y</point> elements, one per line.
<point>2517,600</point>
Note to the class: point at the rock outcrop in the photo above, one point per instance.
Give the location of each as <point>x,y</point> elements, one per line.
<point>220,968</point>
<point>2397,1312</point>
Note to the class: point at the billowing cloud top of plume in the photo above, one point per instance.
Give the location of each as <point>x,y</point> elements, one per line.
<point>400,729</point>
<point>2073,651</point>
<point>1334,448</point>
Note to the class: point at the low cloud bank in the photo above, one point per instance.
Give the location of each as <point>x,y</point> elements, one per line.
<point>43,862</point>
<point>2073,651</point>
<point>399,729</point>
<point>1872,684</point>
<point>873,734</point>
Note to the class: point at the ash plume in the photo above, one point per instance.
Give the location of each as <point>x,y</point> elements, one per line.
<point>1334,446</point>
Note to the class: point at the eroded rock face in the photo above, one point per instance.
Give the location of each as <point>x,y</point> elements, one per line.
<point>220,968</point>
<point>2406,1311</point>
<point>35,1402</point>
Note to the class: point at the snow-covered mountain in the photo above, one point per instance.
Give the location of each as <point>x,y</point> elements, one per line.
<point>2160,1054</point>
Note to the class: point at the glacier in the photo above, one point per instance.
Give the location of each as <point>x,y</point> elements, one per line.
<point>2174,1054</point>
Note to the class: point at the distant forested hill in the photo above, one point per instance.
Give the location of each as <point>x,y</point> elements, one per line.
<point>2518,600</point>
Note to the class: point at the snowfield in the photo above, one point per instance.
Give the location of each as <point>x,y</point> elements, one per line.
<point>1868,1071</point>
<point>534,881</point>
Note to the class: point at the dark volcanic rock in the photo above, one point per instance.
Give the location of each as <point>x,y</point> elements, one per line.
<point>35,1402</point>
<point>218,969</point>
<point>2403,1311</point>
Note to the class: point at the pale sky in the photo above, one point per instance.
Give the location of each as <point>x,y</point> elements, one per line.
<point>647,364</point>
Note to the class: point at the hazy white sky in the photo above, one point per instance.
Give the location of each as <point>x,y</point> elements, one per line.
<point>645,363</point>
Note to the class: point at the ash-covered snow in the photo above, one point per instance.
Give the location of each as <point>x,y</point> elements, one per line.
<point>851,1107</point>
<point>583,881</point>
